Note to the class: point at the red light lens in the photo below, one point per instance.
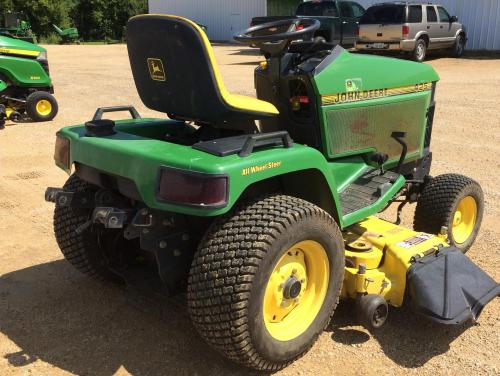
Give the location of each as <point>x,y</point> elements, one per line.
<point>61,153</point>
<point>193,188</point>
<point>300,27</point>
<point>406,30</point>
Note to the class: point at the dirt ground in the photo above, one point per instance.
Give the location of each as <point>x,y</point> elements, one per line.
<point>54,321</point>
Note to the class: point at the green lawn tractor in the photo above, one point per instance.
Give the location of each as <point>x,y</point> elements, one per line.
<point>69,35</point>
<point>25,85</point>
<point>16,25</point>
<point>264,210</point>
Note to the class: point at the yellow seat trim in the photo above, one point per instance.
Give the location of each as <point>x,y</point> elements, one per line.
<point>239,102</point>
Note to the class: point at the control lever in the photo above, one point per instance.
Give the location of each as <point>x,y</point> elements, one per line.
<point>399,136</point>
<point>380,159</point>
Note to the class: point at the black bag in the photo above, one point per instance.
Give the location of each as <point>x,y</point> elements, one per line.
<point>449,288</point>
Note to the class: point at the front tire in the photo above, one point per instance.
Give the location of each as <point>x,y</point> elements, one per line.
<point>453,201</point>
<point>41,106</point>
<point>266,280</point>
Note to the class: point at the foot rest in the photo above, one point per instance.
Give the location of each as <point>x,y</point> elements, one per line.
<point>366,190</point>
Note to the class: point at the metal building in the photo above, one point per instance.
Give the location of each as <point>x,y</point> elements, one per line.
<point>223,18</point>
<point>480,17</point>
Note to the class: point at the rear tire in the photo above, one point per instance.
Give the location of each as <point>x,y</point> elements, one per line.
<point>81,250</point>
<point>235,296</point>
<point>420,51</point>
<point>41,106</point>
<point>455,202</point>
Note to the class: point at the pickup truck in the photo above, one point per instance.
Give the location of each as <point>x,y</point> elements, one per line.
<point>339,19</point>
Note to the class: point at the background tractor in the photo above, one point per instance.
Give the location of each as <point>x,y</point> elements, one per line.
<point>69,35</point>
<point>25,85</point>
<point>263,210</point>
<point>16,25</point>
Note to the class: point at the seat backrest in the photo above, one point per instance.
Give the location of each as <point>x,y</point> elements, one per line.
<point>174,69</point>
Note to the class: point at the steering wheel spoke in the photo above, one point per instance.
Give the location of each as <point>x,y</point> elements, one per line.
<point>273,41</point>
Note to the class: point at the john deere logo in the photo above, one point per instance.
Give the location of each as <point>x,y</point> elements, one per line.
<point>156,69</point>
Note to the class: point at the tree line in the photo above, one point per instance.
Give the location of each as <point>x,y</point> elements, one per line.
<point>95,19</point>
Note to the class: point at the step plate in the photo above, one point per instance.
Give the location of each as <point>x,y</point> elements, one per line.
<point>366,190</point>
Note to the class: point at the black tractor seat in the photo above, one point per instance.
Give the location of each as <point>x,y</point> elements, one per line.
<point>175,72</point>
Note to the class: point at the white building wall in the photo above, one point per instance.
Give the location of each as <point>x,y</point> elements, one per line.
<point>480,17</point>
<point>223,18</point>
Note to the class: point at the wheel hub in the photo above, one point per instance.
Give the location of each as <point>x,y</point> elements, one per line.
<point>292,288</point>
<point>44,107</point>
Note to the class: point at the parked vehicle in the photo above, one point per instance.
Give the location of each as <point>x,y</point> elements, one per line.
<point>411,28</point>
<point>69,35</point>
<point>339,19</point>
<point>25,85</point>
<point>16,25</point>
<point>267,225</point>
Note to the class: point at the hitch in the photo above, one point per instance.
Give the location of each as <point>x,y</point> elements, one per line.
<point>70,199</point>
<point>110,217</point>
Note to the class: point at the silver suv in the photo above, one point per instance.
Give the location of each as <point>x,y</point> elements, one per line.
<point>410,27</point>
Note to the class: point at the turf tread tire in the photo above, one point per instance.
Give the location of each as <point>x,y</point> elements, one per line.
<point>226,264</point>
<point>438,201</point>
<point>80,250</point>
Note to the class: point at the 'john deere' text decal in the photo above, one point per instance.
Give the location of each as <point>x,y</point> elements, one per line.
<point>363,95</point>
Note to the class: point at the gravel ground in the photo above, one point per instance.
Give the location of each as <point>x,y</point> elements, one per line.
<point>54,321</point>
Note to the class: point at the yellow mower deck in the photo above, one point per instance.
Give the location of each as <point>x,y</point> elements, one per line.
<point>378,256</point>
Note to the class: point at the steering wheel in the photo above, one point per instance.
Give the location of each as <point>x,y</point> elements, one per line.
<point>271,38</point>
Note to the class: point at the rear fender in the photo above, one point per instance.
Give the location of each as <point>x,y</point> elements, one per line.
<point>299,170</point>
<point>303,173</point>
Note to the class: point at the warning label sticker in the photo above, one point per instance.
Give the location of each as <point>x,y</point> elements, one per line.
<point>413,241</point>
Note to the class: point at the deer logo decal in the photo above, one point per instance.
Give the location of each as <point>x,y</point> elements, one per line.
<point>156,70</point>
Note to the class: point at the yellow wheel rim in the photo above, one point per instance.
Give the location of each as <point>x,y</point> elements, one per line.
<point>464,220</point>
<point>296,290</point>
<point>44,107</point>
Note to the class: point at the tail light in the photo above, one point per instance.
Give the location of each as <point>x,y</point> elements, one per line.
<point>300,27</point>
<point>406,31</point>
<point>192,188</point>
<point>61,153</point>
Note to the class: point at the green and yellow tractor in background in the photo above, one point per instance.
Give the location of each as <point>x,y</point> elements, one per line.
<point>69,35</point>
<point>25,85</point>
<point>16,25</point>
<point>265,210</point>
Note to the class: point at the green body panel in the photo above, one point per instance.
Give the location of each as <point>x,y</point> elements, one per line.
<point>365,126</point>
<point>133,154</point>
<point>12,43</point>
<point>18,63</point>
<point>3,85</point>
<point>375,72</point>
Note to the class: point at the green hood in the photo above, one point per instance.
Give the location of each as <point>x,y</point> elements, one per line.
<point>19,47</point>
